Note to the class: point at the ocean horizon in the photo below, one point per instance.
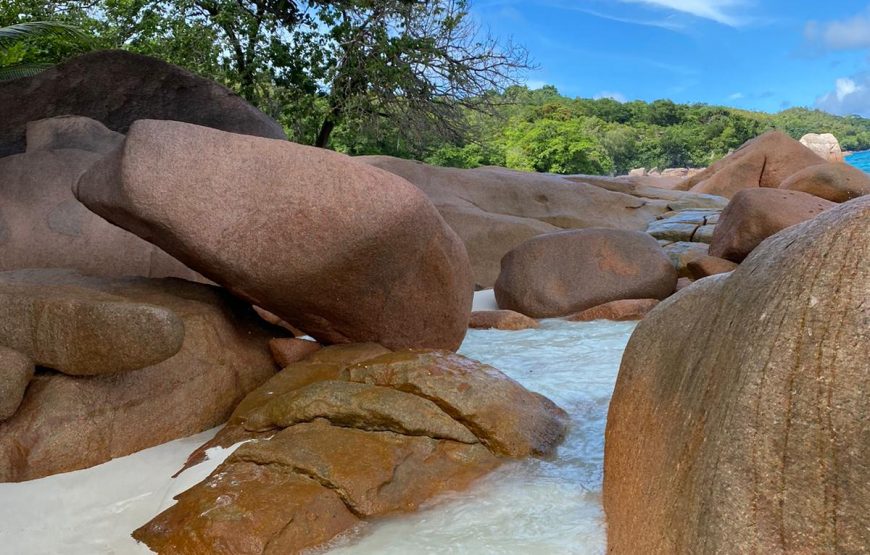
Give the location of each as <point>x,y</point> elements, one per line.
<point>860,160</point>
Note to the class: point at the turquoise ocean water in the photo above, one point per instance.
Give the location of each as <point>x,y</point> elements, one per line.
<point>860,160</point>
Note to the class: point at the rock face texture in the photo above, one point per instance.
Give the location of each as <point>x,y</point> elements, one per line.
<point>16,371</point>
<point>825,145</point>
<point>706,266</point>
<point>739,419</point>
<point>567,272</point>
<point>619,311</point>
<point>754,215</point>
<point>70,422</point>
<point>835,182</point>
<point>494,209</point>
<point>765,161</point>
<point>42,225</point>
<point>120,88</point>
<point>269,220</point>
<point>352,437</point>
<point>84,326</point>
<point>501,320</point>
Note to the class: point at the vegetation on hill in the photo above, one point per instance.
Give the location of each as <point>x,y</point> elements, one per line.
<point>408,78</point>
<point>541,130</point>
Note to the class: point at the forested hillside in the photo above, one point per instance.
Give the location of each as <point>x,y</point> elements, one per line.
<point>542,130</point>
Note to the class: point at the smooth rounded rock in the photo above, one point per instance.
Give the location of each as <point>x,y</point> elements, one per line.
<point>83,326</point>
<point>738,422</point>
<point>836,182</point>
<point>754,215</point>
<point>567,272</point>
<point>68,422</point>
<point>120,88</point>
<point>501,320</point>
<point>706,266</point>
<point>619,311</point>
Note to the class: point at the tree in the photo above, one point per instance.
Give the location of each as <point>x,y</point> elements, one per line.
<point>17,43</point>
<point>418,62</point>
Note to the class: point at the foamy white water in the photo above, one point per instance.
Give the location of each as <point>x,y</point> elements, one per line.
<point>530,507</point>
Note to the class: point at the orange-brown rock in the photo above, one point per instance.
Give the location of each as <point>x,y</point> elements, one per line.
<point>16,371</point>
<point>706,266</point>
<point>245,508</point>
<point>835,182</point>
<point>268,220</point>
<point>504,415</point>
<point>765,161</point>
<point>620,311</point>
<point>501,320</point>
<point>567,272</point>
<point>70,422</point>
<point>738,422</point>
<point>360,406</point>
<point>405,428</point>
<point>85,326</point>
<point>324,364</point>
<point>495,209</point>
<point>374,473</point>
<point>754,215</point>
<point>123,87</point>
<point>682,253</point>
<point>42,225</point>
<point>287,350</point>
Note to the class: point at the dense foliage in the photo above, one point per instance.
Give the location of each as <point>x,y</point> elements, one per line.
<point>409,78</point>
<point>541,130</point>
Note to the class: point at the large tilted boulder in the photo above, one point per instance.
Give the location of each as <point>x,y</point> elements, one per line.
<point>42,225</point>
<point>567,272</point>
<point>70,422</point>
<point>117,88</point>
<point>494,209</point>
<point>344,251</point>
<point>765,161</point>
<point>739,419</point>
<point>835,182</point>
<point>755,214</point>
<point>341,437</point>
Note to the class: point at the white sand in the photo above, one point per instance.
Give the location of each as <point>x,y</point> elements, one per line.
<point>531,507</point>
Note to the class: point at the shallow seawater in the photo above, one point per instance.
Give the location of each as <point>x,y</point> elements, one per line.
<point>529,507</point>
<point>860,160</point>
<point>534,506</point>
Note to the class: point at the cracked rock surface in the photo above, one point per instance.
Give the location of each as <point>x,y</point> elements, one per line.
<point>351,433</point>
<point>739,419</point>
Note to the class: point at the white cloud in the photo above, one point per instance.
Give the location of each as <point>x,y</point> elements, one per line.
<point>851,96</point>
<point>846,34</point>
<point>720,11</point>
<point>619,97</point>
<point>736,96</point>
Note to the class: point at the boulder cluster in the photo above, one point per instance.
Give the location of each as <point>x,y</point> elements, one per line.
<point>162,249</point>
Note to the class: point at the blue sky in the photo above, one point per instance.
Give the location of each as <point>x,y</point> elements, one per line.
<point>756,54</point>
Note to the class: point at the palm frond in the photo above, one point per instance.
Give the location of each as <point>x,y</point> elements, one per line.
<point>16,71</point>
<point>21,31</point>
